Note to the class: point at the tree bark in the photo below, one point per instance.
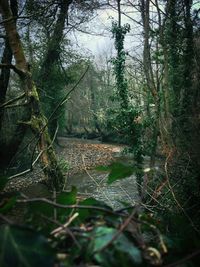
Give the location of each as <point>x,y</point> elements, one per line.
<point>5,72</point>
<point>9,145</point>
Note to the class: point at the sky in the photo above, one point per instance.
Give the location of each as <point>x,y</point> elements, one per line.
<point>100,40</point>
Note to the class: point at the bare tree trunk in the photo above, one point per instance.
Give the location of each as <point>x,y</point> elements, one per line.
<point>37,122</point>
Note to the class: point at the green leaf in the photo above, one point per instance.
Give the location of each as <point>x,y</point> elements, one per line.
<point>124,245</point>
<point>21,247</point>
<point>119,171</point>
<point>67,198</point>
<point>38,208</point>
<point>103,235</point>
<point>103,168</point>
<point>121,246</point>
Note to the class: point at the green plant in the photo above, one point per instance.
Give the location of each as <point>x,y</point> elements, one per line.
<point>63,165</point>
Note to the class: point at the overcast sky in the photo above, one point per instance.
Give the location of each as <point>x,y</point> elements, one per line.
<point>100,39</point>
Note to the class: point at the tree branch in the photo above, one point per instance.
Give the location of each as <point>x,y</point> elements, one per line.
<point>44,200</point>
<point>13,67</point>
<point>9,102</point>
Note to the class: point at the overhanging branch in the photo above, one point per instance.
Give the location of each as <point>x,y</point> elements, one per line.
<point>11,101</point>
<point>12,67</point>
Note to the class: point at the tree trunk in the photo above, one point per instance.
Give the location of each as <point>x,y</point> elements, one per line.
<point>6,59</point>
<point>50,61</point>
<point>37,122</point>
<point>11,143</point>
<point>4,77</point>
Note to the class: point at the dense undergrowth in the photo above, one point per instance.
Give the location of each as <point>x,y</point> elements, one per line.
<point>68,231</point>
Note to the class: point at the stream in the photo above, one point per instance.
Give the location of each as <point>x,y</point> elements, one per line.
<point>89,154</point>
<point>94,184</point>
<point>89,181</point>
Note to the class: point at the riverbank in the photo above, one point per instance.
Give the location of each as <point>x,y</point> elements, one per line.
<point>76,155</point>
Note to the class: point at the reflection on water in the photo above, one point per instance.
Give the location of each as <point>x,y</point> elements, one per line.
<point>94,184</point>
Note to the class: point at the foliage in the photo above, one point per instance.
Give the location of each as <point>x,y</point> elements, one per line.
<point>66,234</point>
<point>20,246</point>
<point>119,33</point>
<point>129,127</point>
<point>93,236</point>
<point>122,250</point>
<point>63,165</point>
<point>126,120</point>
<point>180,42</point>
<point>117,171</point>
<point>51,94</point>
<point>92,233</point>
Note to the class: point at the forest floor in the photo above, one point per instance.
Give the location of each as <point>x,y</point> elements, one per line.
<point>77,155</point>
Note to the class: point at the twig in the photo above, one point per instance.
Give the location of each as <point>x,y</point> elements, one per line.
<point>12,100</point>
<point>13,67</point>
<point>28,170</point>
<point>17,105</point>
<point>122,228</point>
<point>67,230</point>
<point>5,219</point>
<point>41,152</point>
<point>97,184</point>
<point>109,211</point>
<point>174,196</point>
<point>56,232</point>
<point>73,88</point>
<point>34,162</point>
<point>63,100</point>
<point>127,194</point>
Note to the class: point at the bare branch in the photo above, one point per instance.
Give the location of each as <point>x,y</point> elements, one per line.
<point>35,161</point>
<point>107,210</point>
<point>9,102</point>
<point>13,67</point>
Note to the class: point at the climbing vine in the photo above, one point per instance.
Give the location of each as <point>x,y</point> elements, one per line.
<point>126,120</point>
<point>119,33</point>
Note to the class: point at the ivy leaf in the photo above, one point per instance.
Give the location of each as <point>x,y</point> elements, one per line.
<point>103,235</point>
<point>67,198</point>
<point>21,247</point>
<point>119,171</point>
<point>119,248</point>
